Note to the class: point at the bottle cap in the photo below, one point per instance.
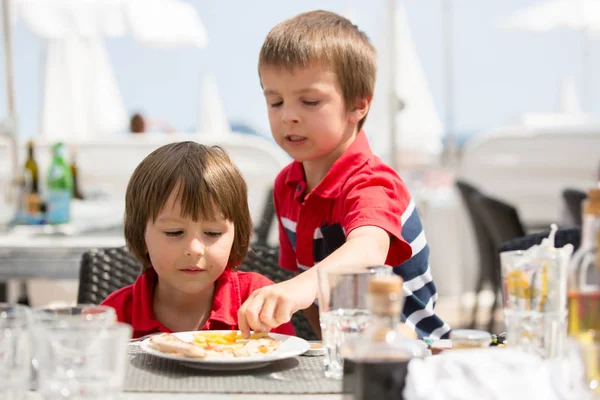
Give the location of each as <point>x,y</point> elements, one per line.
<point>391,284</point>
<point>591,205</point>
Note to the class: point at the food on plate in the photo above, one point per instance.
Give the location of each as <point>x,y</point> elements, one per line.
<point>167,343</point>
<point>216,344</point>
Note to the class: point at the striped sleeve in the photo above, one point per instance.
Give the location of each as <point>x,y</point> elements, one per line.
<point>419,289</point>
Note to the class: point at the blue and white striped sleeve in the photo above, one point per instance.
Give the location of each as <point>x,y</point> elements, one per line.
<point>419,289</point>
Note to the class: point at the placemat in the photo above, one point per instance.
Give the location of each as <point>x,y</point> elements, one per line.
<point>303,374</point>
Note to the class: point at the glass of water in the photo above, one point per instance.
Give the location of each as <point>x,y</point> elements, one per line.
<point>343,311</point>
<point>15,351</point>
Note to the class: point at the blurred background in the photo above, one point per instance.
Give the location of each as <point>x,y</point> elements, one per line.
<point>501,95</point>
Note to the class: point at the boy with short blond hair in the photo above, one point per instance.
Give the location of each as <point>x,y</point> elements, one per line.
<point>337,203</point>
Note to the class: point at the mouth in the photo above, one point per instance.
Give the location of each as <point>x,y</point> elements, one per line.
<point>192,270</point>
<point>294,138</point>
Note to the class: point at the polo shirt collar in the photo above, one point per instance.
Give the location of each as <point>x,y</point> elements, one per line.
<point>355,156</point>
<point>225,306</point>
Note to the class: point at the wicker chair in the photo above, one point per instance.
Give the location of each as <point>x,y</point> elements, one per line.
<point>103,271</point>
<point>573,200</point>
<point>502,223</point>
<point>488,261</point>
<point>263,226</point>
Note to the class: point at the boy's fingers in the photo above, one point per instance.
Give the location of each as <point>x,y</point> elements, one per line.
<point>267,313</point>
<point>253,307</point>
<point>242,323</point>
<point>283,313</point>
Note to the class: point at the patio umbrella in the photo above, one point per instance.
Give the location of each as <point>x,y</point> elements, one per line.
<point>213,118</point>
<point>81,98</point>
<point>8,126</point>
<point>408,112</point>
<point>581,15</point>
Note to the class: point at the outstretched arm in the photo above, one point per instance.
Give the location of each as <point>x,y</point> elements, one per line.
<point>274,305</point>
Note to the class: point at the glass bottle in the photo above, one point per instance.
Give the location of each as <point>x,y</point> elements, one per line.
<point>74,172</point>
<point>29,207</point>
<point>584,275</point>
<point>60,187</point>
<point>375,364</point>
<point>31,169</point>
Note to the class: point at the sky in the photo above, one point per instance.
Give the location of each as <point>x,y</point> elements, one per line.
<point>498,74</point>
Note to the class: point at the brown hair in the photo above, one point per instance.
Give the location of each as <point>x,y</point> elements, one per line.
<point>327,38</point>
<point>208,185</point>
<point>137,124</point>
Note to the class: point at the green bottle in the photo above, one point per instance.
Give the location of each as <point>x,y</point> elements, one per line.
<point>60,187</point>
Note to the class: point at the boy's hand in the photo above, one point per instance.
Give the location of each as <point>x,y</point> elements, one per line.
<point>271,306</point>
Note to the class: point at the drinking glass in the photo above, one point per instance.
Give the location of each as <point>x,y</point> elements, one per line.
<point>534,304</point>
<point>343,311</point>
<point>83,362</point>
<point>15,351</point>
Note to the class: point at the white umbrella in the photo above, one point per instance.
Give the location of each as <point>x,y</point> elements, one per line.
<point>81,98</point>
<point>213,118</point>
<point>568,101</point>
<point>582,15</point>
<point>418,125</point>
<point>8,126</point>
<point>165,23</point>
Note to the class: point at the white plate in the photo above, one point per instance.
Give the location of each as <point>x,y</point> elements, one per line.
<point>289,346</point>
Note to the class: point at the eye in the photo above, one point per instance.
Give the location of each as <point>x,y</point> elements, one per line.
<point>213,234</point>
<point>277,104</point>
<point>311,103</point>
<point>174,233</point>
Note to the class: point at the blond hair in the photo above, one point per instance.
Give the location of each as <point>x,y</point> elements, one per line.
<point>329,39</point>
<point>208,186</point>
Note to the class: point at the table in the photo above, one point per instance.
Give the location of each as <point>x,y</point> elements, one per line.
<point>28,252</point>
<point>210,396</point>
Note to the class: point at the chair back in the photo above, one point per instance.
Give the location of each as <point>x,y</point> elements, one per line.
<point>267,216</point>
<point>485,246</point>
<point>501,219</point>
<point>103,271</point>
<point>573,199</point>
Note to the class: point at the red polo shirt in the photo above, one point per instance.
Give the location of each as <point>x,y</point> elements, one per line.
<point>359,190</point>
<point>133,303</point>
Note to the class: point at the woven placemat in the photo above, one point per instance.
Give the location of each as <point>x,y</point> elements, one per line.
<point>147,373</point>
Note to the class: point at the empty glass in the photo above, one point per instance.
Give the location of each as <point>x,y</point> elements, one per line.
<point>82,362</point>
<point>15,351</point>
<point>75,315</point>
<point>343,311</point>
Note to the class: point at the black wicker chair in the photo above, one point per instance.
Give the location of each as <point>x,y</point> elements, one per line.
<point>502,223</point>
<point>562,237</point>
<point>106,270</point>
<point>263,225</point>
<point>488,261</point>
<point>573,200</point>
<point>103,271</point>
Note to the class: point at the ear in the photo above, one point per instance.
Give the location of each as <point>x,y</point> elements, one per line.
<point>359,109</point>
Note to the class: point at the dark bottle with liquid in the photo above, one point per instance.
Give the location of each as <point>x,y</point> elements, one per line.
<point>376,364</point>
<point>30,190</point>
<point>31,169</point>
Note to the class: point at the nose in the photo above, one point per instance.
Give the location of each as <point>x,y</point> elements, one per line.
<point>195,248</point>
<point>289,115</point>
